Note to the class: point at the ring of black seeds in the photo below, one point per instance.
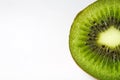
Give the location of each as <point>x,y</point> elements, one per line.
<point>96,29</point>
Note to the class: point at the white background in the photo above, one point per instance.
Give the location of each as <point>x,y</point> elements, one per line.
<point>34,40</point>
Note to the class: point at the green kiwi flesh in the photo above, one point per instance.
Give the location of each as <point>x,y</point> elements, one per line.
<point>94,39</point>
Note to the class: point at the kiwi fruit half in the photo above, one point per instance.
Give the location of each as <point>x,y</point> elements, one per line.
<point>94,39</point>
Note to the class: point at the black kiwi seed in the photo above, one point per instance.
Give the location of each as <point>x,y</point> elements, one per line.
<point>103,46</point>
<point>98,55</point>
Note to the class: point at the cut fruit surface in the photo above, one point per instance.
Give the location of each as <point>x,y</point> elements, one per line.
<point>110,37</point>
<point>94,39</point>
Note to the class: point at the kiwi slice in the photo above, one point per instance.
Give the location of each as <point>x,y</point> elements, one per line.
<point>94,39</point>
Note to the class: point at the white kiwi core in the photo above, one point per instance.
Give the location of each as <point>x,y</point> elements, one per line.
<point>110,37</point>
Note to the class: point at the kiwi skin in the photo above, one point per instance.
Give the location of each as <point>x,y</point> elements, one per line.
<point>98,68</point>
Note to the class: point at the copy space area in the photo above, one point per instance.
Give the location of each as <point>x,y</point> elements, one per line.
<point>34,40</point>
